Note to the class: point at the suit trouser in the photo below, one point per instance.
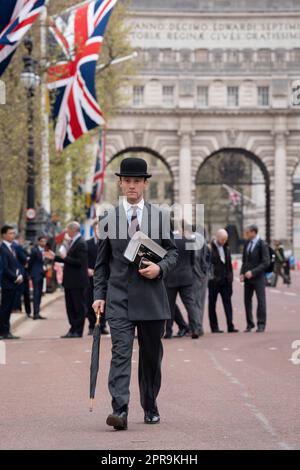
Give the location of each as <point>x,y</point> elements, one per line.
<point>259,287</point>
<point>37,295</point>
<point>76,309</point>
<point>200,288</point>
<point>187,296</point>
<point>7,303</point>
<point>224,288</point>
<point>150,334</point>
<point>178,318</point>
<point>23,291</point>
<point>90,311</point>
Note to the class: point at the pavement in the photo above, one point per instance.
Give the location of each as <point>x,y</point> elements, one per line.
<point>227,391</point>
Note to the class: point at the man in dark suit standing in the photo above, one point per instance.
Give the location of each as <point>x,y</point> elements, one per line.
<point>180,281</point>
<point>256,260</point>
<point>23,289</point>
<point>221,282</point>
<point>92,245</point>
<point>37,271</point>
<point>134,298</point>
<point>75,279</point>
<point>11,279</point>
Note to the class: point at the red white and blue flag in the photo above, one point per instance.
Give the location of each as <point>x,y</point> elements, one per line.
<point>16,18</point>
<point>98,182</point>
<point>79,33</point>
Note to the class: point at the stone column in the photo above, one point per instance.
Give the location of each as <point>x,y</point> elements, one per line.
<point>280,186</point>
<point>185,171</point>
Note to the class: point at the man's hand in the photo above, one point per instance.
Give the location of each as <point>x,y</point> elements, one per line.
<point>242,278</point>
<point>19,280</point>
<point>248,275</point>
<point>90,272</point>
<point>151,272</point>
<point>49,255</point>
<point>99,304</point>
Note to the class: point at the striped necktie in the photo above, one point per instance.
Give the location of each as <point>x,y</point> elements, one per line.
<point>134,223</point>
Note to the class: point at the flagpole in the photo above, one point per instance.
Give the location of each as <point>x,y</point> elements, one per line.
<point>45,163</point>
<point>118,60</point>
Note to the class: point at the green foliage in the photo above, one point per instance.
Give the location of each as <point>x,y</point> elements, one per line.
<point>78,158</point>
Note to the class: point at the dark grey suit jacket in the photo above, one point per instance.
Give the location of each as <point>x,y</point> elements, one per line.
<point>256,261</point>
<point>116,280</point>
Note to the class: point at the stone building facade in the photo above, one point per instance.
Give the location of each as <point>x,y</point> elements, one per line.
<point>217,85</point>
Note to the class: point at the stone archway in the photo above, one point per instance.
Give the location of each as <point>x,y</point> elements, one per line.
<point>234,186</point>
<point>161,188</point>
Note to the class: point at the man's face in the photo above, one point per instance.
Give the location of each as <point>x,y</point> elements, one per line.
<point>42,242</point>
<point>249,235</point>
<point>222,239</point>
<point>133,188</point>
<point>72,232</point>
<point>9,236</point>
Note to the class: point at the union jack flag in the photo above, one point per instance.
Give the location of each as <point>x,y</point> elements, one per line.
<point>16,18</point>
<point>79,33</point>
<point>98,181</point>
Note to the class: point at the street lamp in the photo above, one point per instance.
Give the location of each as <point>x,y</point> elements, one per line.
<point>31,81</point>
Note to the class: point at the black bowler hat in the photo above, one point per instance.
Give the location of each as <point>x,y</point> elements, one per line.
<point>133,166</point>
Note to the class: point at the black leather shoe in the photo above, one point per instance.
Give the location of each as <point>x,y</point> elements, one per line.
<point>104,331</point>
<point>167,336</point>
<point>71,335</point>
<point>217,331</point>
<point>233,330</point>
<point>182,332</point>
<point>151,417</point>
<point>248,329</point>
<point>39,317</point>
<point>195,335</point>
<point>260,329</point>
<point>10,336</point>
<point>118,421</point>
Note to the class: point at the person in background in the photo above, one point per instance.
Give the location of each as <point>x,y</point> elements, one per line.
<point>23,289</point>
<point>201,272</point>
<point>180,281</point>
<point>221,282</point>
<point>37,271</point>
<point>11,279</point>
<point>92,245</point>
<point>75,279</point>
<point>256,260</point>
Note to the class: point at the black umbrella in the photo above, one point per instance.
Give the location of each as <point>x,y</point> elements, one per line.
<point>95,359</point>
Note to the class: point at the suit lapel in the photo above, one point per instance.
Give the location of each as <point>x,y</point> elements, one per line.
<point>9,252</point>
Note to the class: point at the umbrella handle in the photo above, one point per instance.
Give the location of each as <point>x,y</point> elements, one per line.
<point>98,316</point>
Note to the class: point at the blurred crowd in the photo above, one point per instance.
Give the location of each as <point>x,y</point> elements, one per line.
<point>63,259</point>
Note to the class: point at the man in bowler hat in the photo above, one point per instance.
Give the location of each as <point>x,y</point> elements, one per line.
<point>133,297</point>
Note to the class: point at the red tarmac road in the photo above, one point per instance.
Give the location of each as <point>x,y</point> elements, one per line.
<point>229,391</point>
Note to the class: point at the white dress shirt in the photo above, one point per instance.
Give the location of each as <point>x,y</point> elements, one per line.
<point>129,210</point>
<point>221,251</point>
<point>253,243</point>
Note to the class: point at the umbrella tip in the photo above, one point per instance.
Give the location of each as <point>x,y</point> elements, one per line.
<point>91,405</point>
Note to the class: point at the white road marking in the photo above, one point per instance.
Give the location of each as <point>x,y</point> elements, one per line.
<point>42,352</point>
<point>187,360</point>
<point>273,349</point>
<point>25,362</point>
<point>87,351</point>
<point>292,294</point>
<point>180,350</point>
<point>225,349</point>
<point>77,362</point>
<point>260,417</point>
<point>276,291</point>
<point>239,360</point>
